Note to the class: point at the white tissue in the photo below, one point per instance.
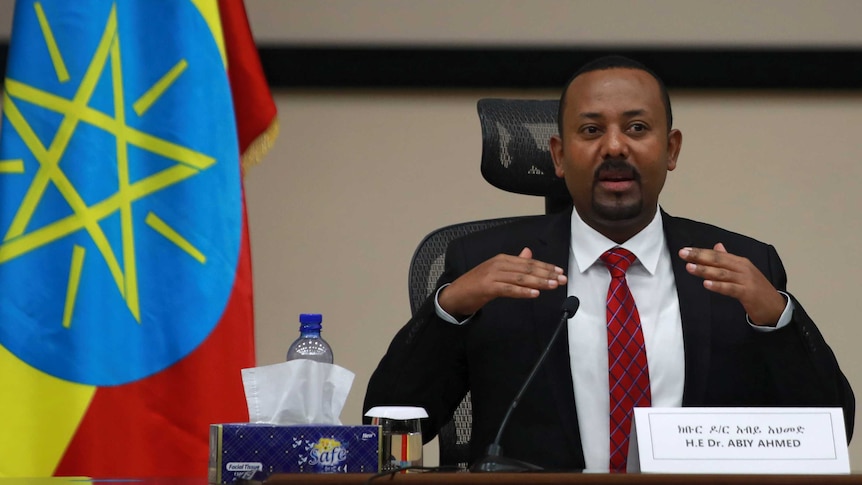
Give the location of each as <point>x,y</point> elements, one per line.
<point>296,392</point>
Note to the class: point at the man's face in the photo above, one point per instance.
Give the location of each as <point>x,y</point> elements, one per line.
<point>615,149</point>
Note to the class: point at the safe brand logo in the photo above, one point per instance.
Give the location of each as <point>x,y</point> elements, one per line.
<point>328,454</point>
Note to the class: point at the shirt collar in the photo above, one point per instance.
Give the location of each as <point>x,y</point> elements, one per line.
<point>587,244</point>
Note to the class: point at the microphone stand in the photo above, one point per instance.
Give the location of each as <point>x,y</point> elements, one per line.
<point>494,461</point>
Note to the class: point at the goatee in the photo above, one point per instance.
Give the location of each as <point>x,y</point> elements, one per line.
<point>616,207</point>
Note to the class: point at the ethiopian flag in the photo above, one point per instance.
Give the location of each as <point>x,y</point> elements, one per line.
<point>125,273</point>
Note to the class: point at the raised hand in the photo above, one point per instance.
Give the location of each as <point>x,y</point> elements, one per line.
<point>503,275</point>
<point>736,277</point>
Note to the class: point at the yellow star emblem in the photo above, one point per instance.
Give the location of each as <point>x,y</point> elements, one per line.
<point>18,240</point>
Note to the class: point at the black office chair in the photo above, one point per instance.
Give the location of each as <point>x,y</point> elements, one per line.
<point>515,158</point>
<point>426,266</point>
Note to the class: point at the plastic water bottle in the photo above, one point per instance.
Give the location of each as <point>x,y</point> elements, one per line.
<point>310,345</point>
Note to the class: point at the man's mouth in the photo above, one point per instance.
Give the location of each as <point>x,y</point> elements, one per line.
<point>616,177</point>
<point>617,185</point>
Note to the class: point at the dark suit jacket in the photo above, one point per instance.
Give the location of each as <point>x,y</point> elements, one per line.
<point>432,363</point>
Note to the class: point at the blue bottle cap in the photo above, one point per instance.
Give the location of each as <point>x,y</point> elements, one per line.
<point>310,318</point>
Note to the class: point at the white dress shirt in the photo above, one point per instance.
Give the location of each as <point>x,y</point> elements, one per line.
<point>650,279</point>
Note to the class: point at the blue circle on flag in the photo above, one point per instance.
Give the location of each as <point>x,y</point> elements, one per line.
<point>121,205</point>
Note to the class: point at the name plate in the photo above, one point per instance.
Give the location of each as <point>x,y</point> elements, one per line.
<point>738,440</point>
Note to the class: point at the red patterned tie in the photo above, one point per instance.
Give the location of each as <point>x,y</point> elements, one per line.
<point>628,374</point>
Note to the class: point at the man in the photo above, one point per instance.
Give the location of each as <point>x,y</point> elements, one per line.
<point>698,316</point>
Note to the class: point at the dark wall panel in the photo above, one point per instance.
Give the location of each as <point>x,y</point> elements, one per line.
<point>452,68</point>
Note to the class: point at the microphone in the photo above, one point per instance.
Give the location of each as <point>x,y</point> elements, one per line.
<point>494,461</point>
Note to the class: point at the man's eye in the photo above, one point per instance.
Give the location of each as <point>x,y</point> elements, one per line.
<point>591,130</point>
<point>638,127</point>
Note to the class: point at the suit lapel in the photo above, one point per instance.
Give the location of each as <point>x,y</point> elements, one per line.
<point>694,308</point>
<point>553,247</point>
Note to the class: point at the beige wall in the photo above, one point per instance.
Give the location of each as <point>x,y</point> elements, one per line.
<point>558,22</point>
<point>356,179</point>
<point>549,22</point>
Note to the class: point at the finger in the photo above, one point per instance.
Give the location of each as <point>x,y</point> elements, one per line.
<point>542,277</point>
<point>527,253</point>
<point>713,273</point>
<point>690,254</point>
<point>730,289</point>
<point>523,264</point>
<point>525,286</point>
<point>735,267</point>
<point>515,291</point>
<point>708,257</point>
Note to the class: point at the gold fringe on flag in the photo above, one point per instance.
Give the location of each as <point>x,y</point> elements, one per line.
<point>260,146</point>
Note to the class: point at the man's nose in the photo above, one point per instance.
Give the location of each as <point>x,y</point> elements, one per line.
<point>614,144</point>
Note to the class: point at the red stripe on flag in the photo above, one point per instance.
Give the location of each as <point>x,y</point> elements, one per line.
<point>253,104</point>
<point>158,426</point>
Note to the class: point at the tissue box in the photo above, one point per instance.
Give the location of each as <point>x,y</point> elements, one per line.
<point>254,451</point>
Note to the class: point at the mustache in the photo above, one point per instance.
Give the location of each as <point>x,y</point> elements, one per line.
<point>616,165</point>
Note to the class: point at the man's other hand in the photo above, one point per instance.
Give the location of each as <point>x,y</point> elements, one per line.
<point>736,277</point>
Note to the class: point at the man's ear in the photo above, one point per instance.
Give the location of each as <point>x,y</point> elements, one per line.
<point>674,144</point>
<point>556,145</point>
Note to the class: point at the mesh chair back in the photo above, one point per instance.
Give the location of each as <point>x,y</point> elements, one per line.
<point>515,158</point>
<point>425,269</point>
<point>515,152</point>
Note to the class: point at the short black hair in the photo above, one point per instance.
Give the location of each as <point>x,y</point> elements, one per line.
<point>615,62</point>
